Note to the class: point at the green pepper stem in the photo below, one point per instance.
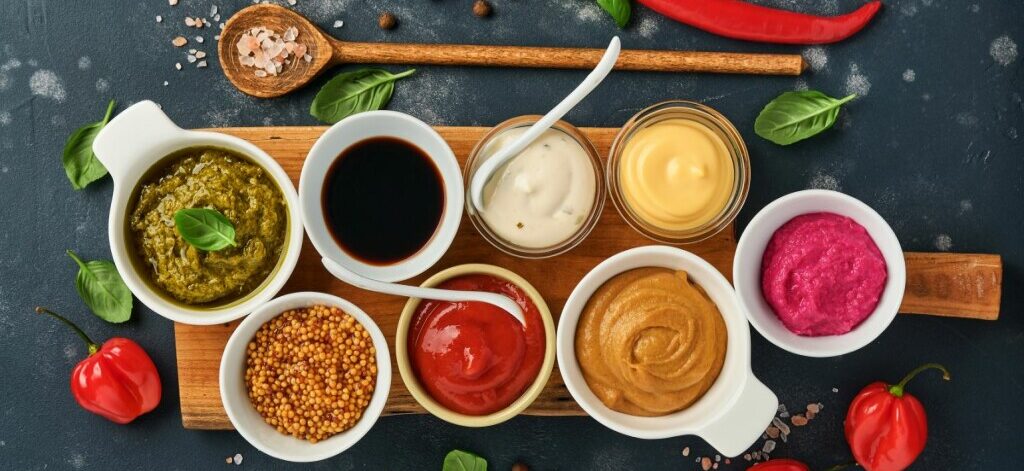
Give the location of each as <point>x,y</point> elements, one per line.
<point>93,347</point>
<point>897,389</point>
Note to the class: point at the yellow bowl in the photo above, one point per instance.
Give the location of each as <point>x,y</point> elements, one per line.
<point>423,397</point>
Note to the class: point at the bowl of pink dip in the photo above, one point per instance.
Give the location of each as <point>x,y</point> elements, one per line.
<point>819,273</point>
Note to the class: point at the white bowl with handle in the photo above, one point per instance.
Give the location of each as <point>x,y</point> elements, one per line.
<point>139,138</point>
<point>737,408</point>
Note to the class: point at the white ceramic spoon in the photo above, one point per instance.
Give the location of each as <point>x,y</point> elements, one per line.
<point>359,281</point>
<point>487,169</point>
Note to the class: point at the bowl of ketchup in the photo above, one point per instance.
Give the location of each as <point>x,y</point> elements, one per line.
<point>471,363</point>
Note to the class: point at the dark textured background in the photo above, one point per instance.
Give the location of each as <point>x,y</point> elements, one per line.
<point>939,156</point>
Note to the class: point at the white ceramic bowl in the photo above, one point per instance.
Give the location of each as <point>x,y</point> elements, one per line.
<point>140,137</point>
<point>747,271</point>
<point>737,408</point>
<point>364,126</point>
<point>251,425</point>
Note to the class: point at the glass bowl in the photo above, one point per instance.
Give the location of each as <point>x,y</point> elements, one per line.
<point>717,123</point>
<point>474,161</point>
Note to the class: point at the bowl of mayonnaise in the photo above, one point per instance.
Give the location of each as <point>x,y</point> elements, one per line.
<point>546,199</point>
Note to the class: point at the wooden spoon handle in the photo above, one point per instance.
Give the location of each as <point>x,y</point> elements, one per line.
<point>566,58</point>
<point>953,285</point>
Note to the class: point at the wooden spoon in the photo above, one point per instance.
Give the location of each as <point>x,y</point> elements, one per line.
<point>328,52</point>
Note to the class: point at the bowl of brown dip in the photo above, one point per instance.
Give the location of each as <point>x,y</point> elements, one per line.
<point>652,344</point>
<point>160,169</point>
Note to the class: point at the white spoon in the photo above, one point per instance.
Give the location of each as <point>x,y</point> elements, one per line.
<point>486,169</point>
<point>359,281</point>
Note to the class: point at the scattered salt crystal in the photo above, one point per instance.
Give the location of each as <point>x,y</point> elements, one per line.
<point>191,51</point>
<point>778,423</point>
<point>165,83</point>
<point>686,451</point>
<point>179,41</point>
<point>814,408</point>
<point>199,39</point>
<point>261,73</point>
<point>769,446</point>
<point>216,17</point>
<point>213,10</point>
<point>714,466</point>
<point>746,456</point>
<point>200,54</point>
<point>293,2</point>
<point>338,23</point>
<point>191,59</point>
<point>718,458</point>
<point>228,460</point>
<point>238,459</point>
<point>307,58</point>
<point>810,414</point>
<point>799,420</point>
<point>782,408</point>
<point>201,64</point>
<point>189,21</point>
<point>177,65</point>
<point>772,432</point>
<point>705,462</point>
<point>783,414</point>
<point>835,390</point>
<point>172,2</point>
<point>159,18</point>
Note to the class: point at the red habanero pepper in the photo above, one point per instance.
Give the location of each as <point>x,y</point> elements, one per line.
<point>779,464</point>
<point>117,380</point>
<point>786,464</point>
<point>886,427</point>
<point>741,20</point>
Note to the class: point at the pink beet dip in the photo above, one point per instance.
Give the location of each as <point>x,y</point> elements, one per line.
<point>822,274</point>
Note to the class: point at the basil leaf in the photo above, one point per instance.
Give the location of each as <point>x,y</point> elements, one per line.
<point>795,116</point>
<point>458,460</point>
<point>619,9</point>
<point>102,289</point>
<point>80,164</point>
<point>205,228</point>
<point>354,92</point>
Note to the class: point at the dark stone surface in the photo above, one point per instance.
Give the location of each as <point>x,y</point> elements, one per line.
<point>939,156</point>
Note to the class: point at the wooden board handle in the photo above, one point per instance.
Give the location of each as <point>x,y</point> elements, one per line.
<point>566,58</point>
<point>953,285</point>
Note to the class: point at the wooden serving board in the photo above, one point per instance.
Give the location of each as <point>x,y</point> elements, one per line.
<point>955,285</point>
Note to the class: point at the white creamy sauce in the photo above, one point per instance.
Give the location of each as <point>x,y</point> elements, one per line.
<point>542,196</point>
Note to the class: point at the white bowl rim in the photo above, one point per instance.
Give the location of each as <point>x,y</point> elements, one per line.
<point>398,125</point>
<point>736,381</point>
<point>140,137</point>
<point>236,350</point>
<point>750,294</point>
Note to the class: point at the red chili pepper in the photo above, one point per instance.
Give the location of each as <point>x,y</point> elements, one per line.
<point>741,20</point>
<point>887,427</point>
<point>779,464</point>
<point>117,380</point>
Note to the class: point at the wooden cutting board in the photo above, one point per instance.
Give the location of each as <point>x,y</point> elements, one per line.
<point>945,284</point>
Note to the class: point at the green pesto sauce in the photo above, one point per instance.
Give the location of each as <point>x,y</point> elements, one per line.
<point>206,177</point>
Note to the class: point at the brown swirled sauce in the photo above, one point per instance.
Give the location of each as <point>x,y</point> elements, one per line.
<point>650,342</point>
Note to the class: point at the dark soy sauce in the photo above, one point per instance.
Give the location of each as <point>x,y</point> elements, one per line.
<point>383,199</point>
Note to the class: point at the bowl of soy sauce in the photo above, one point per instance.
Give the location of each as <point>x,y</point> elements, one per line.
<point>382,194</point>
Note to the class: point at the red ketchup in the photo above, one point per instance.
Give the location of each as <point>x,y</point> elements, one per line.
<point>474,358</point>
